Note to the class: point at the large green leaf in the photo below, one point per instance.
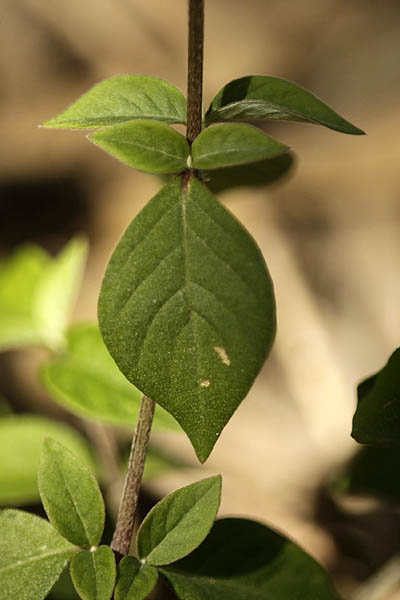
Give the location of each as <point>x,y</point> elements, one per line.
<point>93,573</point>
<point>21,438</point>
<point>187,308</point>
<point>32,556</point>
<point>149,146</point>
<point>86,381</point>
<point>263,97</point>
<point>233,144</point>
<point>70,496</point>
<point>245,560</point>
<point>124,98</point>
<point>265,172</point>
<point>377,418</point>
<point>135,581</point>
<point>179,522</point>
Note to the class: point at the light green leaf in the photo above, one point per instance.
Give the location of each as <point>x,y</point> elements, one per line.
<point>20,276</point>
<point>187,309</point>
<point>57,291</point>
<point>179,522</point>
<point>135,581</point>
<point>149,146</point>
<point>265,172</point>
<point>32,556</point>
<point>233,144</point>
<point>377,418</point>
<point>124,98</point>
<point>86,381</point>
<point>93,573</point>
<point>21,438</point>
<point>263,97</point>
<point>70,496</point>
<point>245,560</point>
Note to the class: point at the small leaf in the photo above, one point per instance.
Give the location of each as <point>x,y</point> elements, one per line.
<point>145,145</point>
<point>93,573</point>
<point>124,98</point>
<point>179,522</point>
<point>233,144</point>
<point>377,418</point>
<point>265,172</point>
<point>86,381</point>
<point>32,556</point>
<point>70,496</point>
<point>21,438</point>
<point>57,291</point>
<point>135,581</point>
<point>187,309</point>
<point>263,97</point>
<point>245,560</point>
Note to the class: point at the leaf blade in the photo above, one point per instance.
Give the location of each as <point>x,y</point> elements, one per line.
<point>135,581</point>
<point>70,496</point>
<point>266,97</point>
<point>124,98</point>
<point>93,573</point>
<point>232,144</point>
<point>179,522</point>
<point>168,322</point>
<point>148,146</point>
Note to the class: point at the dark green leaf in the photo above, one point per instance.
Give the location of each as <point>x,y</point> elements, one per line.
<point>179,522</point>
<point>86,381</point>
<point>377,418</point>
<point>187,309</point>
<point>32,556</point>
<point>21,438</point>
<point>93,573</point>
<point>258,174</point>
<point>245,560</point>
<point>124,98</point>
<point>63,589</point>
<point>135,581</point>
<point>149,146</point>
<point>233,144</point>
<point>70,496</point>
<point>263,97</point>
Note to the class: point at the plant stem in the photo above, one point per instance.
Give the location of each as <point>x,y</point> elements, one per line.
<point>195,69</point>
<point>121,541</point>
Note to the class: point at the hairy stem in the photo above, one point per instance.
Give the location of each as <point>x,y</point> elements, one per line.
<point>195,69</point>
<point>127,510</point>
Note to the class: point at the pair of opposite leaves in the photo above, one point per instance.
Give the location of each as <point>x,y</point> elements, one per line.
<point>187,307</point>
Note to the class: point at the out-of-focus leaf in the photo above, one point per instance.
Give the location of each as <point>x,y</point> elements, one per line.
<point>124,98</point>
<point>21,438</point>
<point>135,581</point>
<point>93,573</point>
<point>148,146</point>
<point>32,556</point>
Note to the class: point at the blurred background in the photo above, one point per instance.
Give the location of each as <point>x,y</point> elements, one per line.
<point>329,233</point>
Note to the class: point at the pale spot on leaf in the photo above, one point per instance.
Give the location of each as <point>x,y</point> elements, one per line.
<point>205,383</point>
<point>223,355</point>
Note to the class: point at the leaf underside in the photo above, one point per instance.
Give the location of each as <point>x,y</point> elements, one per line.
<point>245,560</point>
<point>264,97</point>
<point>187,309</point>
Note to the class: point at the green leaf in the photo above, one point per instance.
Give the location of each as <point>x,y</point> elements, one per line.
<point>93,573</point>
<point>70,496</point>
<point>57,291</point>
<point>32,556</point>
<point>135,581</point>
<point>245,560</point>
<point>187,309</point>
<point>377,418</point>
<point>263,97</point>
<point>233,144</point>
<point>21,438</point>
<point>149,146</point>
<point>179,522</point>
<point>86,381</point>
<point>124,98</point>
<point>63,589</point>
<point>265,172</point>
